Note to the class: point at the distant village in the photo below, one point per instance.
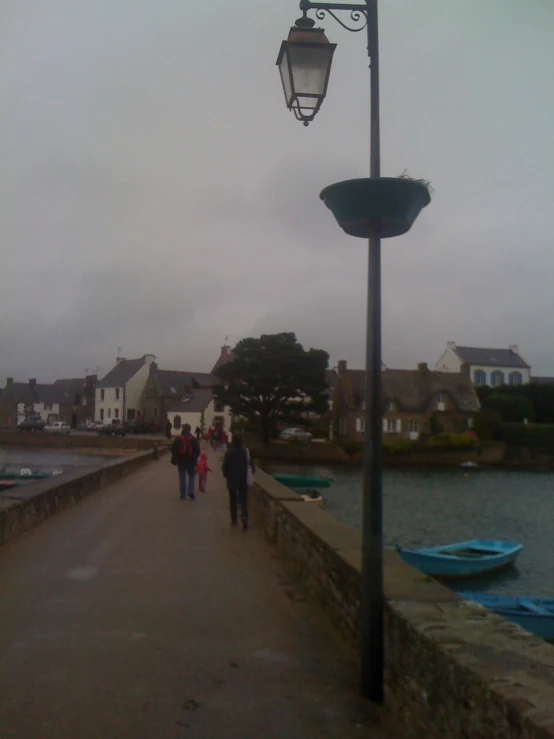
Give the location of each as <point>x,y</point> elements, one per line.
<point>139,392</point>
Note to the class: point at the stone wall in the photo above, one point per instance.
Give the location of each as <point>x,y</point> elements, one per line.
<point>24,507</point>
<point>80,441</point>
<point>453,670</point>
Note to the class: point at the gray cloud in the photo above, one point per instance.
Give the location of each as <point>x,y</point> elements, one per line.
<point>156,195</point>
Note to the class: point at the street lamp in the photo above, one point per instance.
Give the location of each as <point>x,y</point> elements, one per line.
<point>372,208</point>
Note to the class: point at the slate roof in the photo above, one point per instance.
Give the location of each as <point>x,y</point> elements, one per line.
<point>413,390</point>
<point>68,389</point>
<point>173,383</point>
<point>195,402</point>
<point>23,393</point>
<point>204,379</point>
<point>50,394</point>
<point>490,357</point>
<point>122,373</point>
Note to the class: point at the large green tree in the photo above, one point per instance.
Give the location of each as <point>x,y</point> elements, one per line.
<point>271,379</point>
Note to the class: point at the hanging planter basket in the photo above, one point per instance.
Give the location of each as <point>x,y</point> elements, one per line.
<point>378,206</point>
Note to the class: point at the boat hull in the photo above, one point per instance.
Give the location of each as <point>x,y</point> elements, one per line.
<point>535,615</point>
<point>466,559</point>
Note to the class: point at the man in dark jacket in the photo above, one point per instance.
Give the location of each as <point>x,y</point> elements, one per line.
<point>235,470</point>
<point>185,451</point>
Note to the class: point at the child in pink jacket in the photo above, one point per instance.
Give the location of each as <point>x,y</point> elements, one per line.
<point>202,470</point>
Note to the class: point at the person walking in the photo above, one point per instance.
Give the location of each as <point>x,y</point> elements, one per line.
<point>237,464</point>
<point>202,469</point>
<point>198,433</point>
<point>168,428</point>
<point>185,451</point>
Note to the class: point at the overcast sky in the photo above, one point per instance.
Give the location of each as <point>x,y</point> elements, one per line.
<point>156,195</point>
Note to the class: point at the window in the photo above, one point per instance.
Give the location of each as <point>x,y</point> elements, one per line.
<point>101,414</point>
<point>116,413</point>
<point>218,407</point>
<point>515,378</point>
<point>480,377</point>
<point>360,425</point>
<point>177,422</point>
<point>117,394</point>
<point>389,406</point>
<point>48,407</point>
<point>109,412</point>
<point>389,425</point>
<point>101,395</point>
<point>414,426</point>
<point>441,398</point>
<point>497,378</point>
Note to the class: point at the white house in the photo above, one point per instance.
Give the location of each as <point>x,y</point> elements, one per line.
<point>119,393</point>
<point>493,367</point>
<point>198,408</point>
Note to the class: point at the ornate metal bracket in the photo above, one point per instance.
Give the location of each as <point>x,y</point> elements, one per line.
<point>358,13</point>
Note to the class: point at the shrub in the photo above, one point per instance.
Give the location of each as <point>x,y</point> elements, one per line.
<point>512,408</point>
<point>352,447</point>
<point>398,446</point>
<point>452,441</point>
<point>487,423</point>
<point>534,436</point>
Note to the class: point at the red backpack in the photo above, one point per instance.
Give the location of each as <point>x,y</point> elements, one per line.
<point>188,449</point>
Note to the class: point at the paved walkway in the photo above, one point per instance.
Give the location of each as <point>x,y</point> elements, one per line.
<point>135,615</point>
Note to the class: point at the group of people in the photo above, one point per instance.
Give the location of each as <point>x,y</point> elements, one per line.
<point>218,439</point>
<point>238,470</point>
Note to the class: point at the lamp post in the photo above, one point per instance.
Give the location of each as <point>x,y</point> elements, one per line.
<point>371,208</point>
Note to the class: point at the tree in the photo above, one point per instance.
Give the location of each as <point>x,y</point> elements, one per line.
<point>273,379</point>
<point>513,408</point>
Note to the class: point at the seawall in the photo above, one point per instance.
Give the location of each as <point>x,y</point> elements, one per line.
<point>24,507</point>
<point>453,669</point>
<point>90,441</point>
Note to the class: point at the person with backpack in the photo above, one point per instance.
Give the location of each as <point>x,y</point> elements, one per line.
<point>238,469</point>
<point>185,451</point>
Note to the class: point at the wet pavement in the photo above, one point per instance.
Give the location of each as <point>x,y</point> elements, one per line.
<point>135,615</point>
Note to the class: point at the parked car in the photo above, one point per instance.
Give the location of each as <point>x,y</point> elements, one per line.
<point>58,427</point>
<point>97,425</point>
<point>115,428</point>
<point>87,426</point>
<point>295,434</point>
<point>32,424</point>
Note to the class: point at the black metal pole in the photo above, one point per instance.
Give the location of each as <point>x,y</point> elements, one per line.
<point>372,599</point>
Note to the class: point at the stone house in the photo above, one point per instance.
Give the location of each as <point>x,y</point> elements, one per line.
<point>198,408</point>
<point>164,387</point>
<point>119,393</point>
<point>410,399</point>
<point>64,400</point>
<point>493,367</point>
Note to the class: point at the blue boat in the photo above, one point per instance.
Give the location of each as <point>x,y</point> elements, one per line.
<point>465,559</point>
<point>532,614</point>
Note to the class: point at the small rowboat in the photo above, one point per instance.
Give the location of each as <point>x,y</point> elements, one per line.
<point>532,614</point>
<point>466,559</point>
<point>301,481</point>
<point>24,474</point>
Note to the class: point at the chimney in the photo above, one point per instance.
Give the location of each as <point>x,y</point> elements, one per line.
<point>153,368</point>
<point>464,370</point>
<point>149,358</point>
<point>225,351</point>
<point>118,360</point>
<point>341,367</point>
<point>422,367</point>
<point>32,382</point>
<point>514,348</point>
<point>451,344</point>
<point>9,382</point>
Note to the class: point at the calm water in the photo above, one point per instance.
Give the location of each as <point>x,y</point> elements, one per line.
<point>48,460</point>
<point>433,507</point>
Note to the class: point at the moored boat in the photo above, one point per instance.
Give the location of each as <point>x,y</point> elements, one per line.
<point>25,474</point>
<point>464,559</point>
<point>532,614</point>
<point>301,481</point>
